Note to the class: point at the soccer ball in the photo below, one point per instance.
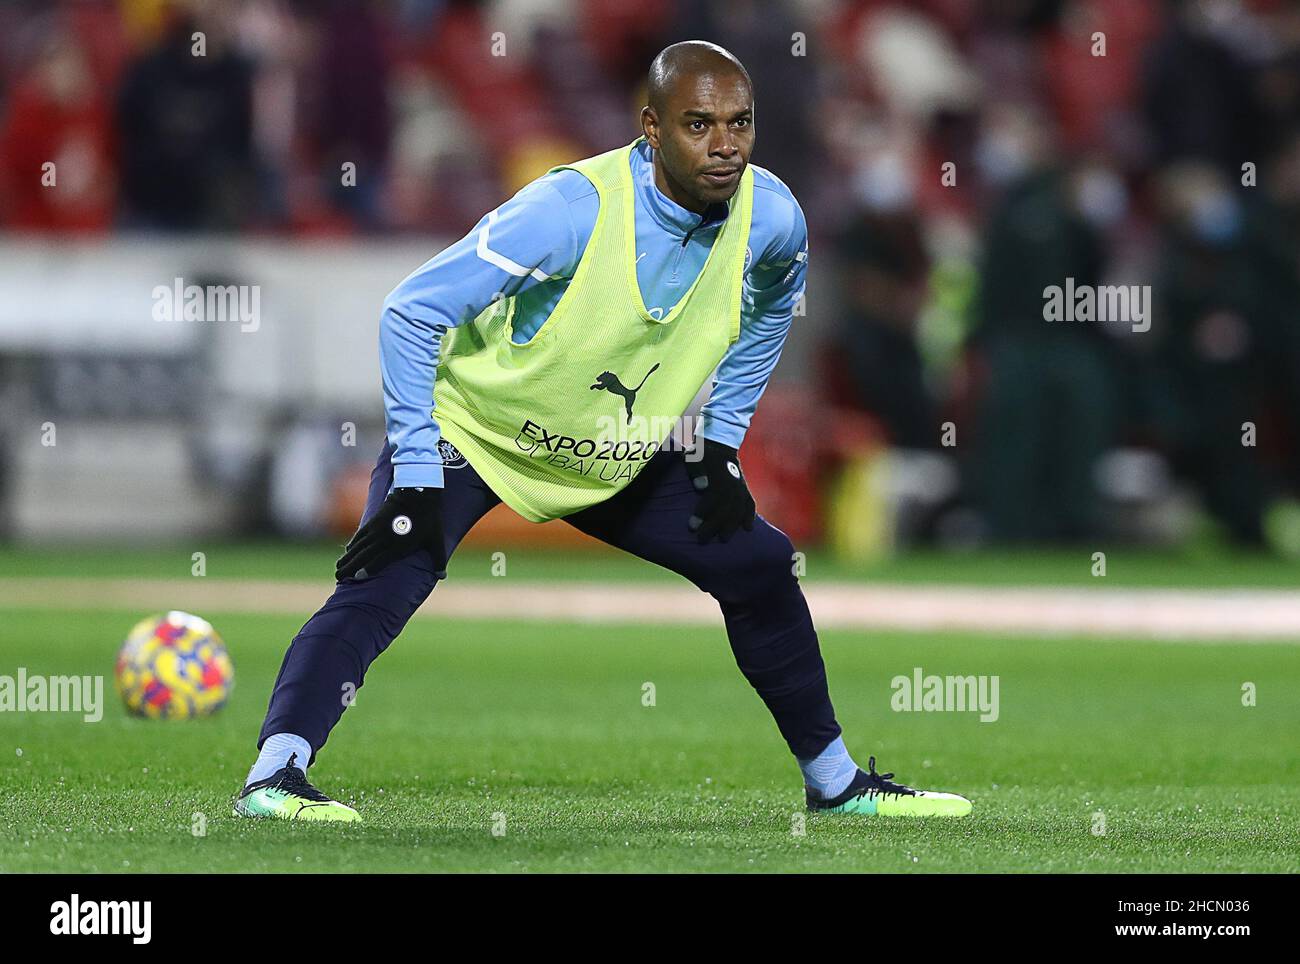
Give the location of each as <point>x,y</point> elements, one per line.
<point>174,667</point>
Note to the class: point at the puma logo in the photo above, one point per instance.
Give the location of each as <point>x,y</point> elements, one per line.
<point>610,383</point>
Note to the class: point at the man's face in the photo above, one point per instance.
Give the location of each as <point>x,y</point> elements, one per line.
<point>703,137</point>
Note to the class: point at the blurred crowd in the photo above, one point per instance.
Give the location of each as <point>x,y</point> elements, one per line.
<point>1110,143</point>
<point>954,158</point>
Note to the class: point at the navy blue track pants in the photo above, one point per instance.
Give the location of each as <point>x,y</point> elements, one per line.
<point>751,576</point>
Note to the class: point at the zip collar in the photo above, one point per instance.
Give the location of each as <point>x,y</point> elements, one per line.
<point>667,213</point>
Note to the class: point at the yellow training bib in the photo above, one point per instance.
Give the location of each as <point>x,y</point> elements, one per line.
<point>566,419</point>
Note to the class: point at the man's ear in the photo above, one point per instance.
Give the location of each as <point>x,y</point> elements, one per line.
<point>650,126</point>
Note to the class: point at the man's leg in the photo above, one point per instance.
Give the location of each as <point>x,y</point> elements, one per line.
<point>752,578</point>
<point>327,660</point>
<point>751,575</point>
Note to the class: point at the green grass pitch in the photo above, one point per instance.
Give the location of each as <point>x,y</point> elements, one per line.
<point>1197,567</point>
<point>540,733</point>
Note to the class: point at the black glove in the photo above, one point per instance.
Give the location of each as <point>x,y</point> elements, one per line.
<point>409,520</point>
<point>725,504</point>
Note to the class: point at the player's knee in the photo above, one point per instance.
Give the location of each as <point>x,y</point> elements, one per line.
<point>386,600</point>
<point>760,564</point>
<point>775,556</point>
<point>780,553</point>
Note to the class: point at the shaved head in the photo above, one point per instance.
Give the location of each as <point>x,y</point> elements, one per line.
<point>700,123</point>
<point>689,59</point>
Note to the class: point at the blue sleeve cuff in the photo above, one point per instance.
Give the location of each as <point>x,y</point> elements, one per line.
<point>417,474</point>
<point>718,431</point>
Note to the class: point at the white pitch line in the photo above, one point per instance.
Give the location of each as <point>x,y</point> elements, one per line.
<point>1172,614</point>
<point>1166,614</point>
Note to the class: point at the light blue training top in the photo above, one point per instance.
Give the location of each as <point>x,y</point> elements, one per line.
<point>530,246</point>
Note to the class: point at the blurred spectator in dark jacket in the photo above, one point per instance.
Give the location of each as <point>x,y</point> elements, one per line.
<point>1228,345</point>
<point>885,266</point>
<point>1276,220</point>
<point>351,117</point>
<point>1198,92</point>
<point>185,123</point>
<point>1048,407</point>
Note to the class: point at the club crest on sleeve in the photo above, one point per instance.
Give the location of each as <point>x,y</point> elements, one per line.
<point>450,455</point>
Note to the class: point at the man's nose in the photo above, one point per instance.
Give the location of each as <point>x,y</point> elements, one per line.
<point>724,144</point>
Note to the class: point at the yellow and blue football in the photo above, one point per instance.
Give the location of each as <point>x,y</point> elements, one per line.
<point>174,667</point>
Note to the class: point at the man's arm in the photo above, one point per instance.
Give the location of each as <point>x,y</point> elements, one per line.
<point>526,241</point>
<point>772,289</point>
